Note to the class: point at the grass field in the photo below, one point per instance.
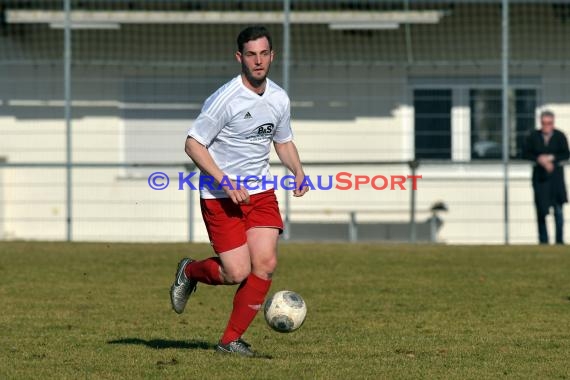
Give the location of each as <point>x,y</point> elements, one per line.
<point>375,311</point>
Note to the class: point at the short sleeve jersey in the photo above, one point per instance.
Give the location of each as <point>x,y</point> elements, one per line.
<point>237,127</point>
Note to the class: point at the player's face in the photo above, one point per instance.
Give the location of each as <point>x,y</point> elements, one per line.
<point>255,60</point>
<point>547,124</point>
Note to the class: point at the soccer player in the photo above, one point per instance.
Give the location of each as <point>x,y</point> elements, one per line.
<point>230,140</point>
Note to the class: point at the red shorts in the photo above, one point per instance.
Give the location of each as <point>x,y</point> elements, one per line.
<point>227,222</point>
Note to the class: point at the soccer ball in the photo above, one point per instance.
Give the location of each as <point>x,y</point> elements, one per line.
<point>285,311</point>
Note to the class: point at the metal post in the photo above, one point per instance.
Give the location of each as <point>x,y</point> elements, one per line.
<point>67,112</point>
<point>409,50</point>
<point>286,42</point>
<point>433,227</point>
<point>286,55</point>
<point>352,227</point>
<point>505,101</point>
<point>190,210</point>
<point>413,166</point>
<point>287,221</point>
<point>2,204</point>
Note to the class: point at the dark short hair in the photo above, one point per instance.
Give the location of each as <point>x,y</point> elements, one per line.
<point>252,33</point>
<point>546,113</point>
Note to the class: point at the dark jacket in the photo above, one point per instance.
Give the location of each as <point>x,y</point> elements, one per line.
<point>549,188</point>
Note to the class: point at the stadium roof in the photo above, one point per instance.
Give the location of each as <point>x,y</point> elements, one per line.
<point>223,17</point>
<point>335,19</point>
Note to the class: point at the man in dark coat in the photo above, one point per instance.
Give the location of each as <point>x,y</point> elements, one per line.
<point>547,148</point>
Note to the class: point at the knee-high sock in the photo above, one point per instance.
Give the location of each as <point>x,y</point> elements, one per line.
<point>205,271</point>
<point>247,302</point>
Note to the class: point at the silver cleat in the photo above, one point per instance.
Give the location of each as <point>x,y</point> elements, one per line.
<point>238,346</point>
<point>182,287</point>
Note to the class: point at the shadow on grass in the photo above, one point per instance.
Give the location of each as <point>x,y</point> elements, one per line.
<point>161,344</point>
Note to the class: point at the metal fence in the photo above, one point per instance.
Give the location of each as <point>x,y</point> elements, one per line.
<point>97,95</point>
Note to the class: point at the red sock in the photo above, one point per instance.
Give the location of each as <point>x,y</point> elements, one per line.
<point>247,302</point>
<point>205,271</point>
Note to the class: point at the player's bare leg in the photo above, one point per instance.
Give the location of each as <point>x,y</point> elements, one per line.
<point>262,258</point>
<point>211,271</point>
<point>236,265</point>
<point>262,243</point>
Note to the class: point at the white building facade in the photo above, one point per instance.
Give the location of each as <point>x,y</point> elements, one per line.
<point>426,87</point>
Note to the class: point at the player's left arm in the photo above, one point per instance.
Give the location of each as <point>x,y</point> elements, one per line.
<point>289,156</point>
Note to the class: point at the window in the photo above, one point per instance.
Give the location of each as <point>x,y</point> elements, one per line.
<point>432,120</point>
<point>461,119</point>
<point>526,104</point>
<point>486,121</point>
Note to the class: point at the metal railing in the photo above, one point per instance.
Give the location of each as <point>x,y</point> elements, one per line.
<point>357,210</point>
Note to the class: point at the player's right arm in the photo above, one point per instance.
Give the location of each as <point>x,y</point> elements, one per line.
<point>203,160</point>
<point>212,120</point>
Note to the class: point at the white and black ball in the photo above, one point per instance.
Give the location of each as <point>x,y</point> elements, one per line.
<point>285,311</point>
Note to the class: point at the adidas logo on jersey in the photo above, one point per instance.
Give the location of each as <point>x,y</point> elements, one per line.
<point>248,115</point>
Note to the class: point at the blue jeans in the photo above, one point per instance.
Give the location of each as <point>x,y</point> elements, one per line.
<point>558,220</point>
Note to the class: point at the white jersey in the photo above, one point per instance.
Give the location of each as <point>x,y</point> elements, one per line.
<point>237,127</point>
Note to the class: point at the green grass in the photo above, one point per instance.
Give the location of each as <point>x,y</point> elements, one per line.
<point>375,311</point>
